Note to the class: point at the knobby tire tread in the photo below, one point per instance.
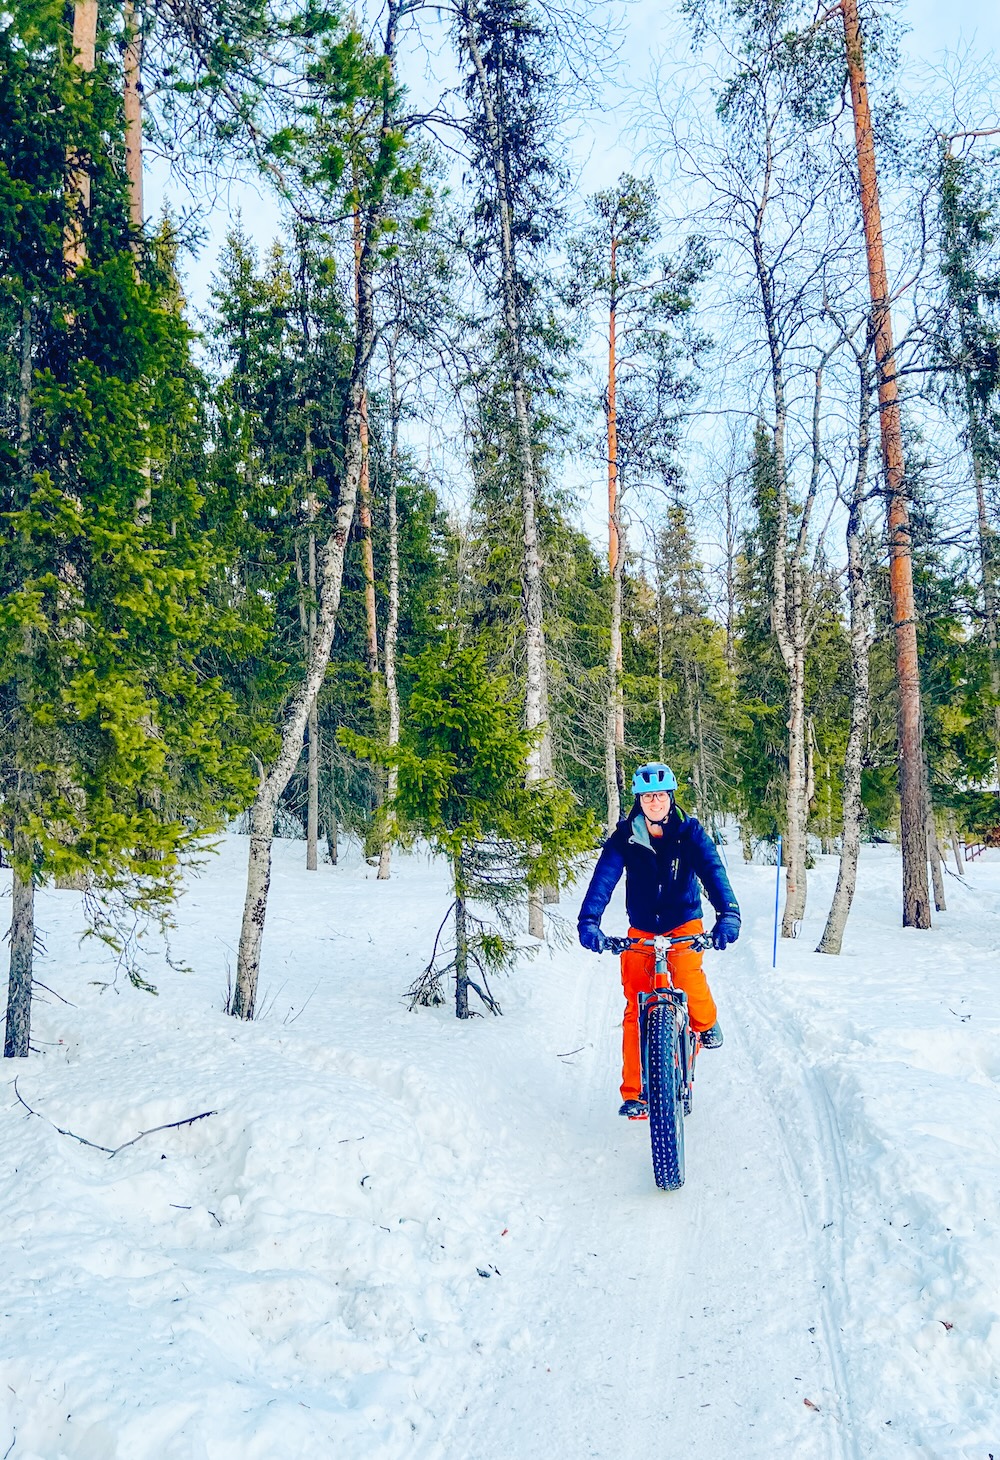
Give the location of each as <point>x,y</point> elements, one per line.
<point>666,1108</point>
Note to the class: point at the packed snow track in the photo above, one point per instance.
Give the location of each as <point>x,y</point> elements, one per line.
<point>401,1236</point>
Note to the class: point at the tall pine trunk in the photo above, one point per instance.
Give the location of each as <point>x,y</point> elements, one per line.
<point>916,901</point>
<point>536,686</point>
<point>613,718</point>
<point>78,167</point>
<point>614,731</point>
<point>133,119</point>
<point>365,509</point>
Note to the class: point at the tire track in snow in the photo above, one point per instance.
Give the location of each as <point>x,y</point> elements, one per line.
<point>817,1175</point>
<point>672,1318</point>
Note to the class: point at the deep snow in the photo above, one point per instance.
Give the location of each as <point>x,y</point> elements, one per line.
<point>399,1235</point>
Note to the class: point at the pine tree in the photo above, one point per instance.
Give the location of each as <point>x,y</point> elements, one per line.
<point>643,299</point>
<point>510,86</point>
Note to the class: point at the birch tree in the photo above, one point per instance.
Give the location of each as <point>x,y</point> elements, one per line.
<point>346,73</point>
<point>861,632</point>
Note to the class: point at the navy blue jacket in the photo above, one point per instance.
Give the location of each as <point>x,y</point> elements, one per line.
<point>661,886</point>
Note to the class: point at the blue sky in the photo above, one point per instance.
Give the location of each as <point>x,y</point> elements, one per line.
<point>934,28</point>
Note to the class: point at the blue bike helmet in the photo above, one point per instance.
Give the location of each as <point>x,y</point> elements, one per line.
<point>653,777</point>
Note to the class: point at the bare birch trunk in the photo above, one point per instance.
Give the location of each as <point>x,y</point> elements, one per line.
<point>916,902</point>
<point>701,757</point>
<point>312,784</point>
<point>988,572</point>
<point>795,801</point>
<point>331,833</point>
<point>22,943</point>
<point>827,841</point>
<point>861,640</point>
<point>392,621</point>
<point>732,552</point>
<point>274,780</point>
<point>787,608</point>
<point>934,857</point>
<point>933,847</point>
<point>307,622</point>
<point>330,576</point>
<point>536,695</point>
<point>956,845</point>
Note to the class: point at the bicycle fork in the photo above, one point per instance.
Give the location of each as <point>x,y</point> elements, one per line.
<point>664,992</point>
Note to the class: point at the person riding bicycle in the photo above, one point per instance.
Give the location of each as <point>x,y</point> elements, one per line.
<point>664,854</point>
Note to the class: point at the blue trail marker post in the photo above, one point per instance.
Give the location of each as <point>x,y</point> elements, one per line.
<point>777,895</point>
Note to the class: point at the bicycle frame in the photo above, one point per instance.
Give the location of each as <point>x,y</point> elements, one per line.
<point>664,991</point>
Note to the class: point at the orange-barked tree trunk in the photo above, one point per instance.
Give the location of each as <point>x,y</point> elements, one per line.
<point>78,178</point>
<point>916,901</point>
<point>133,118</point>
<point>614,728</point>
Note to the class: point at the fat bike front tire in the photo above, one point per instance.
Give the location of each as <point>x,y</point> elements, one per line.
<point>666,1098</point>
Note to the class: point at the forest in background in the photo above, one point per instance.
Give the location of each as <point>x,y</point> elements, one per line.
<point>234,586</point>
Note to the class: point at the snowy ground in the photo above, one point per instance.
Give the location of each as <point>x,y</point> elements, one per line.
<point>398,1235</point>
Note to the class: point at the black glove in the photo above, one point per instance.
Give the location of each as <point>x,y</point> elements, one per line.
<point>591,937</point>
<point>726,930</point>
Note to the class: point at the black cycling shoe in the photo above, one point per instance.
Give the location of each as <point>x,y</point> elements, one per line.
<point>635,1110</point>
<point>712,1038</point>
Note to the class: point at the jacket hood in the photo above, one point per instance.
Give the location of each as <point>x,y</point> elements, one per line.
<point>635,824</point>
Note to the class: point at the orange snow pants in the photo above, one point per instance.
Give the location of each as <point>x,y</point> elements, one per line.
<point>637,978</point>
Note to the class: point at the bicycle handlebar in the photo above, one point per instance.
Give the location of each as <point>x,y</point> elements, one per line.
<point>700,942</point>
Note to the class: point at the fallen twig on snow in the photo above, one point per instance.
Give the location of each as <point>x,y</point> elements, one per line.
<point>110,1151</point>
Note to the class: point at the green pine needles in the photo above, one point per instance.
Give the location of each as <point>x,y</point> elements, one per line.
<point>461,764</point>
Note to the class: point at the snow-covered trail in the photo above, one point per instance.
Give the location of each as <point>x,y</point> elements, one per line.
<point>699,1318</point>
<point>403,1238</point>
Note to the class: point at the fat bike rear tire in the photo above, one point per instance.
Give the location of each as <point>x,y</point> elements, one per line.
<point>666,1098</point>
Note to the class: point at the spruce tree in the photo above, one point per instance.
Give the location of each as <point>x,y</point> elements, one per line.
<point>460,764</point>
<point>115,752</point>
